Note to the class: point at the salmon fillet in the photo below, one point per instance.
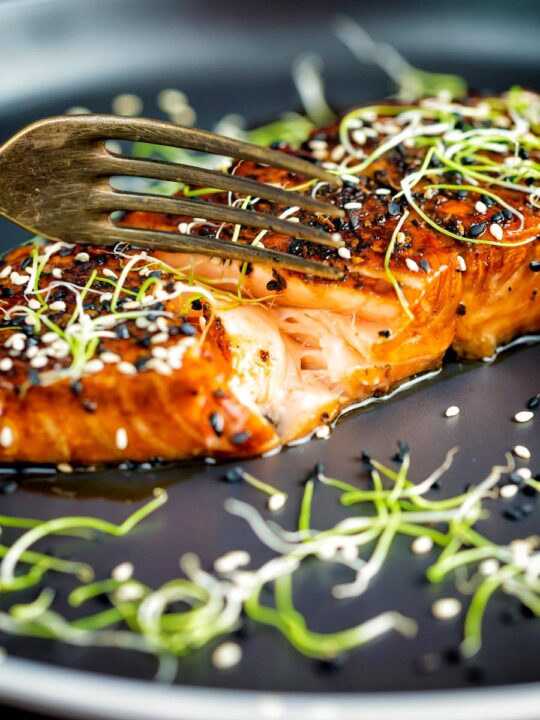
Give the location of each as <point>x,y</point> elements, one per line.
<point>187,356</point>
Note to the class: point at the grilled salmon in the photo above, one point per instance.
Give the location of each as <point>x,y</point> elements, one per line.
<point>113,355</point>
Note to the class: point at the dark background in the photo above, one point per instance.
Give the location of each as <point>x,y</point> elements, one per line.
<point>236,57</point>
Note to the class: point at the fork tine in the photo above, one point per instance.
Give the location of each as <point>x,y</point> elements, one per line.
<point>176,172</point>
<point>157,132</point>
<point>214,211</point>
<point>172,242</point>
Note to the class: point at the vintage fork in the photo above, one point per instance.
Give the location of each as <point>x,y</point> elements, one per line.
<point>55,181</point>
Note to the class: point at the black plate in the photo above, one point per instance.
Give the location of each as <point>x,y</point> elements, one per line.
<point>236,57</point>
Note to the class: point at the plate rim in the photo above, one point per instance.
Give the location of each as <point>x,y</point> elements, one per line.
<point>65,691</point>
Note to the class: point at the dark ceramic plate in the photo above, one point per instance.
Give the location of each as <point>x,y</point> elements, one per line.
<point>236,57</point>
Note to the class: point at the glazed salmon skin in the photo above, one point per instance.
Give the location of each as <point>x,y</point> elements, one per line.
<point>176,356</point>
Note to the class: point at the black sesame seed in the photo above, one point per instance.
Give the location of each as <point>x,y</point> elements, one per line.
<point>7,292</point>
<point>64,252</point>
<point>487,201</point>
<point>534,266</point>
<point>145,342</point>
<point>196,304</point>
<point>26,262</point>
<point>273,286</point>
<point>365,459</point>
<point>241,437</point>
<point>523,154</point>
<point>477,229</point>
<point>155,274</point>
<point>508,214</point>
<point>533,402</point>
<point>76,387</point>
<point>234,475</point>
<point>187,329</point>
<point>461,194</point>
<point>424,264</point>
<point>331,665</point>
<point>217,423</point>
<point>121,332</point>
<point>394,208</point>
<point>497,218</point>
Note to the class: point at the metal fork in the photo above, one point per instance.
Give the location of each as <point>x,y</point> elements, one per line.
<point>55,181</point>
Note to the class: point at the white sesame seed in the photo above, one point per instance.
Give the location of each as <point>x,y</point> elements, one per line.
<point>160,352</point>
<point>232,561</point>
<point>318,144</point>
<point>353,206</point>
<point>359,136</point>
<point>107,296</point>
<point>226,656</point>
<point>496,231</point>
<point>382,191</point>
<point>322,432</point>
<point>127,104</point>
<point>481,207</point>
<point>107,272</point>
<point>17,279</point>
<point>6,437</point>
<point>131,305</point>
<point>523,416</point>
<point>524,473</point>
<point>49,337</point>
<point>160,366</point>
<point>451,411</point>
<point>276,502</point>
<point>126,368</point>
<point>123,572</point>
<point>159,338</point>
<point>39,361</point>
<point>109,357</point>
<point>489,567</point>
<point>94,366</point>
<point>344,253</point>
<point>17,341</point>
<point>522,452</point>
<point>57,306</point>
<point>446,608</point>
<point>57,273</point>
<point>5,272</point>
<point>82,257</point>
<point>508,491</point>
<point>412,265</point>
<point>34,304</point>
<point>338,153</point>
<point>422,545</point>
<point>30,320</point>
<point>142,323</point>
<point>400,237</point>
<point>121,439</point>
<point>351,179</point>
<point>64,468</point>
<point>6,364</point>
<point>32,351</point>
<point>462,265</point>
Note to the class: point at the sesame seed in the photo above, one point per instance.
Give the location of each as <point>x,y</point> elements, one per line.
<point>451,411</point>
<point>131,305</point>
<point>107,272</point>
<point>318,144</point>
<point>109,357</point>
<point>276,502</point>
<point>82,257</point>
<point>94,366</point>
<point>30,320</point>
<point>226,656</point>
<point>382,191</point>
<point>350,179</point>
<point>6,364</point>
<point>232,561</point>
<point>142,323</point>
<point>160,366</point>
<point>480,207</point>
<point>159,338</point>
<point>524,473</point>
<point>49,337</point>
<point>359,136</point>
<point>57,306</point>
<point>57,273</point>
<point>123,572</point>
<point>462,265</point>
<point>34,304</point>
<point>126,368</point>
<point>446,608</point>
<point>17,279</point>
<point>489,567</point>
<point>344,253</point>
<point>5,272</point>
<point>121,439</point>
<point>338,153</point>
<point>508,491</point>
<point>32,351</point>
<point>523,416</point>
<point>522,452</point>
<point>496,231</point>
<point>422,545</point>
<point>353,206</point>
<point>64,468</point>
<point>6,437</point>
<point>400,237</point>
<point>39,361</point>
<point>412,265</point>
<point>322,432</point>
<point>160,352</point>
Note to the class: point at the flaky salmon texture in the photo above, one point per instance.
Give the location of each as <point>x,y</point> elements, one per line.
<point>115,354</point>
